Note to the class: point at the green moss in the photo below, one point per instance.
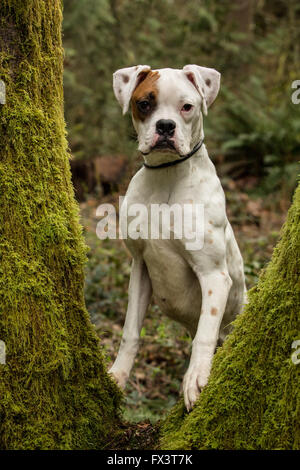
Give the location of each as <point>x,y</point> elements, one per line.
<point>54,390</point>
<point>252,400</point>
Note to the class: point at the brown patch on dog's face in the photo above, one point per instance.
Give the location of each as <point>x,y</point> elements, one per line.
<point>144,98</point>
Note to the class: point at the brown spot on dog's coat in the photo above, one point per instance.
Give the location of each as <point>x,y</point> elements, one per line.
<point>125,78</point>
<point>146,90</point>
<point>209,292</point>
<point>214,311</point>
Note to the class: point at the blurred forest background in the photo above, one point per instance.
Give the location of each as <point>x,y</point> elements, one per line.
<point>252,135</point>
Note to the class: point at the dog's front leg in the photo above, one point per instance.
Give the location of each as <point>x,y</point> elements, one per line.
<point>215,288</point>
<point>139,295</point>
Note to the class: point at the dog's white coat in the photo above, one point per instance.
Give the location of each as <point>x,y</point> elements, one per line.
<point>204,289</point>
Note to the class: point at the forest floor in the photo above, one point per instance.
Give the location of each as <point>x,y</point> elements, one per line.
<point>155,383</point>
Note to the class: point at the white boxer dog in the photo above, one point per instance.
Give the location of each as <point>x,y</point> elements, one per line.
<point>204,288</point>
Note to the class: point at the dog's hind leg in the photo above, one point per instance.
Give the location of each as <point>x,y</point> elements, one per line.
<point>237,297</point>
<point>140,291</point>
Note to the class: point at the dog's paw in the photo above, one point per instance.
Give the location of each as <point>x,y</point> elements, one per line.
<point>120,376</point>
<point>194,381</point>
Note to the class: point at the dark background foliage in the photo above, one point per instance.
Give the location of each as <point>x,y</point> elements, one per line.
<point>254,44</point>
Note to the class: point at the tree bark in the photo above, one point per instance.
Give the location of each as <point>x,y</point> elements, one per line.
<point>252,400</point>
<point>54,390</point>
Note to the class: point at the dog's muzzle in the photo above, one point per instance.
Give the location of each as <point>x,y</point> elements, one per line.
<point>164,143</point>
<point>181,158</point>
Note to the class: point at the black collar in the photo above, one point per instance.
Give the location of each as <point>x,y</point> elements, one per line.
<point>181,159</point>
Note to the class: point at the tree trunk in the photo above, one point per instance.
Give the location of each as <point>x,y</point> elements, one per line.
<point>252,400</point>
<point>54,390</point>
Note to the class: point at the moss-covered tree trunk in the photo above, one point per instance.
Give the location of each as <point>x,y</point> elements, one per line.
<point>54,391</point>
<point>252,400</point>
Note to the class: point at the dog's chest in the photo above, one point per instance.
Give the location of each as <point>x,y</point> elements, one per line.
<point>166,205</point>
<point>175,285</point>
<point>154,209</point>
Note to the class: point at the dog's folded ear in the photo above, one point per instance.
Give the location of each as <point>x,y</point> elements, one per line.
<point>125,82</point>
<point>206,81</point>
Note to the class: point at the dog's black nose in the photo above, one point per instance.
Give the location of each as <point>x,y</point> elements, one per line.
<point>165,127</point>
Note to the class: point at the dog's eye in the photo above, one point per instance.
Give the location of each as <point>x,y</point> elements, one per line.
<point>186,107</point>
<point>144,106</point>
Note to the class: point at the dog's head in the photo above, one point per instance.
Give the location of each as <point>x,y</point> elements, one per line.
<point>167,105</point>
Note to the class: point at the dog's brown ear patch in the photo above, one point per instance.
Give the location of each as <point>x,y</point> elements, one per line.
<point>146,90</point>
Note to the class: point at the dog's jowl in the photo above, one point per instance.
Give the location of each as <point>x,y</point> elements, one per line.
<point>203,288</point>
